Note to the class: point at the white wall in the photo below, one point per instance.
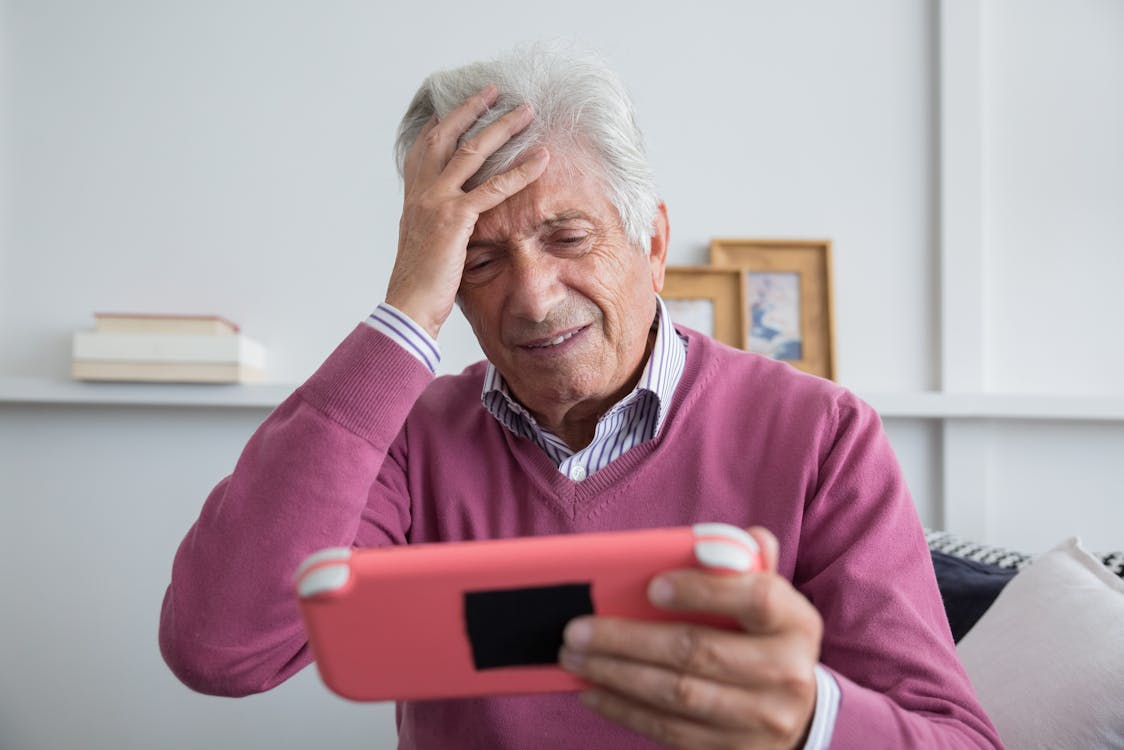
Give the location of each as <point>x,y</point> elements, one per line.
<point>1053,178</point>
<point>5,140</point>
<point>235,158</point>
<point>1054,144</point>
<point>90,514</point>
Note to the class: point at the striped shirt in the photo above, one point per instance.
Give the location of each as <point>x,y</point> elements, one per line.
<point>633,420</point>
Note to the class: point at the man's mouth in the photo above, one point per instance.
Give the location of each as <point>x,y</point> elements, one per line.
<point>561,338</point>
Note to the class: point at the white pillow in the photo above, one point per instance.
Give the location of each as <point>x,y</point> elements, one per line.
<point>1047,658</point>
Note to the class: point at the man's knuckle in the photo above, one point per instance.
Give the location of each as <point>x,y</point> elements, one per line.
<point>767,591</point>
<point>689,694</point>
<point>692,651</point>
<point>497,187</point>
<point>763,597</point>
<point>469,149</point>
<point>780,722</point>
<point>815,625</point>
<point>795,677</point>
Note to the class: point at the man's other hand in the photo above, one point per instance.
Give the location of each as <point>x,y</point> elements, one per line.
<point>691,686</point>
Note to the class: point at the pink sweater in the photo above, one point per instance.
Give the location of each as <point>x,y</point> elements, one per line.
<point>373,451</point>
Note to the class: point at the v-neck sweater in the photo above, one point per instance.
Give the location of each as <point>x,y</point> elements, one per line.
<point>372,450</point>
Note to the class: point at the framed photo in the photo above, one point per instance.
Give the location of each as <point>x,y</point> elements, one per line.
<point>710,300</point>
<point>788,298</point>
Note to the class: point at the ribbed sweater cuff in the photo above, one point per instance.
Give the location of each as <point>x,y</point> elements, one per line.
<point>868,721</point>
<point>366,384</point>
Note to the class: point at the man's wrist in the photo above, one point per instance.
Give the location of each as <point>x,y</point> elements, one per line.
<point>825,713</point>
<point>417,311</point>
<point>407,333</point>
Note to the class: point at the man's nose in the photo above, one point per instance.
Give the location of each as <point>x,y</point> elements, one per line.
<point>536,288</point>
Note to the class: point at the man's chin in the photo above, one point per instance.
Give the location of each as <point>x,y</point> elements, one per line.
<point>550,392</point>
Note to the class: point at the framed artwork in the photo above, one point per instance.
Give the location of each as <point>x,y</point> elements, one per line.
<point>710,300</point>
<point>788,298</point>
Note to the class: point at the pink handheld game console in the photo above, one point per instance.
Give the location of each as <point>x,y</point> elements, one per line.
<point>486,617</point>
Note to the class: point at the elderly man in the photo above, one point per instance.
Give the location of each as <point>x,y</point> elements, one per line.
<point>529,203</point>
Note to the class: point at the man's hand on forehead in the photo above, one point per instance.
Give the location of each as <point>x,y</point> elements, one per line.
<point>439,215</point>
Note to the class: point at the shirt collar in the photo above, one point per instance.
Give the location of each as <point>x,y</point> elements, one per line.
<point>660,377</point>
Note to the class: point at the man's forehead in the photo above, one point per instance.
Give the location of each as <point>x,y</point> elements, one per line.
<point>559,197</point>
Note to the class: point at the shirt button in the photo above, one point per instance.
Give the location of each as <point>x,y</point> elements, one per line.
<point>577,472</point>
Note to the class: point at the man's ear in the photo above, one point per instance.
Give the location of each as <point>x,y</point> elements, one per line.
<point>657,250</point>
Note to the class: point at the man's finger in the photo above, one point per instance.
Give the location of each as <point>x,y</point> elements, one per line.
<point>767,544</point>
<point>500,187</point>
<point>761,602</point>
<point>719,655</point>
<point>676,731</point>
<point>439,143</point>
<point>413,156</point>
<point>667,730</point>
<point>687,695</point>
<point>471,155</point>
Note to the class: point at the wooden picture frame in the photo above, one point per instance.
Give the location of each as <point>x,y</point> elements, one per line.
<point>788,297</point>
<point>709,300</point>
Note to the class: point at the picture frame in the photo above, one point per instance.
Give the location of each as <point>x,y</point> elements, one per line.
<point>709,300</point>
<point>788,298</point>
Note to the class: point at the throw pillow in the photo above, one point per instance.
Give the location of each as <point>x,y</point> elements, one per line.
<point>1046,659</point>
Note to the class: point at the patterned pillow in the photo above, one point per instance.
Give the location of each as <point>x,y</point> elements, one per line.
<point>971,575</point>
<point>949,543</point>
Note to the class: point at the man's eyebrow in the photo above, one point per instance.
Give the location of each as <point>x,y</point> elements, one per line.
<point>566,216</point>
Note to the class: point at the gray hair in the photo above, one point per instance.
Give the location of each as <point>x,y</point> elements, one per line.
<point>581,108</point>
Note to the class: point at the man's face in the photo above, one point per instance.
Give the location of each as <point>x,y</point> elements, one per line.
<point>559,299</point>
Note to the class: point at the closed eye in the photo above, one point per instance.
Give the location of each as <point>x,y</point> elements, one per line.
<point>481,266</point>
<point>570,241</point>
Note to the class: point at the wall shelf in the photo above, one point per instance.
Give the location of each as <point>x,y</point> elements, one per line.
<point>937,405</point>
<point>926,405</point>
<point>63,391</point>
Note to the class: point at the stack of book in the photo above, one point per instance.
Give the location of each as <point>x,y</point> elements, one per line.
<point>166,348</point>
